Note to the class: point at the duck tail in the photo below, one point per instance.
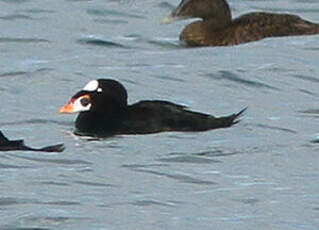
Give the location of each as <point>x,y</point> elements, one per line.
<point>3,139</point>
<point>233,119</point>
<point>307,27</point>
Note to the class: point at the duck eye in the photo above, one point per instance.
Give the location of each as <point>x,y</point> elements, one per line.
<point>85,101</point>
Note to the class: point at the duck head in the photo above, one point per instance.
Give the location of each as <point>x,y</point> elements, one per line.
<point>99,96</point>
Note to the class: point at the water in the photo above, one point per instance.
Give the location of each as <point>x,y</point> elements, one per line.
<point>260,174</point>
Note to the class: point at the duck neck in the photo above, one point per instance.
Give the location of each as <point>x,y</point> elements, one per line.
<point>199,31</point>
<point>219,16</point>
<point>95,123</point>
<point>213,24</point>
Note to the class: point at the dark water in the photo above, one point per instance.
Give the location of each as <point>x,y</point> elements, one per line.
<point>260,174</point>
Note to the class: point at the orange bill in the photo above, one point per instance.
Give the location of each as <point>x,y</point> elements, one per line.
<point>68,108</point>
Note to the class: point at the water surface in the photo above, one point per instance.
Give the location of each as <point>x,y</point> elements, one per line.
<point>259,174</point>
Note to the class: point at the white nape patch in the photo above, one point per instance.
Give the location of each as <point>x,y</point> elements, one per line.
<point>91,86</point>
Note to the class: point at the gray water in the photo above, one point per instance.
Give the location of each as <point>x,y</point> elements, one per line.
<point>260,174</point>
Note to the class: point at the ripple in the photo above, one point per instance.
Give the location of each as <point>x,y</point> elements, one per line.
<point>56,161</point>
<point>199,157</point>
<point>57,220</point>
<point>23,73</point>
<point>210,153</point>
<point>217,153</point>
<point>310,111</point>
<point>13,74</point>
<point>167,43</point>
<point>251,201</point>
<point>166,5</point>
<point>38,11</point>
<point>14,228</point>
<point>145,203</point>
<point>226,75</point>
<point>79,0</point>
<point>315,141</point>
<point>62,203</point>
<point>179,177</point>
<point>16,17</point>
<point>37,121</point>
<point>136,166</point>
<point>52,183</point>
<point>95,184</point>
<point>276,128</point>
<point>5,201</point>
<point>99,42</point>
<point>188,159</point>
<point>15,1</point>
<point>106,12</point>
<point>305,91</point>
<point>22,40</point>
<point>168,78</point>
<point>110,21</point>
<point>7,166</point>
<point>307,78</point>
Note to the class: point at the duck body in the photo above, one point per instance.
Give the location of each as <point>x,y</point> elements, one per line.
<point>144,117</point>
<point>159,116</point>
<point>218,29</point>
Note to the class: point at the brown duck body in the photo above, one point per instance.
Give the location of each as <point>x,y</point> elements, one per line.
<point>218,29</point>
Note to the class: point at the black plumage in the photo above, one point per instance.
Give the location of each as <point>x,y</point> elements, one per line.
<point>13,145</point>
<point>109,114</point>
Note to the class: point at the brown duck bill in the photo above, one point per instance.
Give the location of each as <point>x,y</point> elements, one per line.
<point>175,15</point>
<point>171,18</point>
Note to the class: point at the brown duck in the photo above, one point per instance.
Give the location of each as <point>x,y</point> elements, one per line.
<point>218,29</point>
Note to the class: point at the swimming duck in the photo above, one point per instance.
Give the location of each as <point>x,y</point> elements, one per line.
<point>13,145</point>
<point>104,112</point>
<point>218,29</point>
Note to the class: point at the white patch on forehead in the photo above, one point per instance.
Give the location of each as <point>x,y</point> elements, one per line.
<point>91,86</point>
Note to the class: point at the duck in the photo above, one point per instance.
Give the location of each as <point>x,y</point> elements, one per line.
<point>15,145</point>
<point>217,28</point>
<point>104,111</point>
